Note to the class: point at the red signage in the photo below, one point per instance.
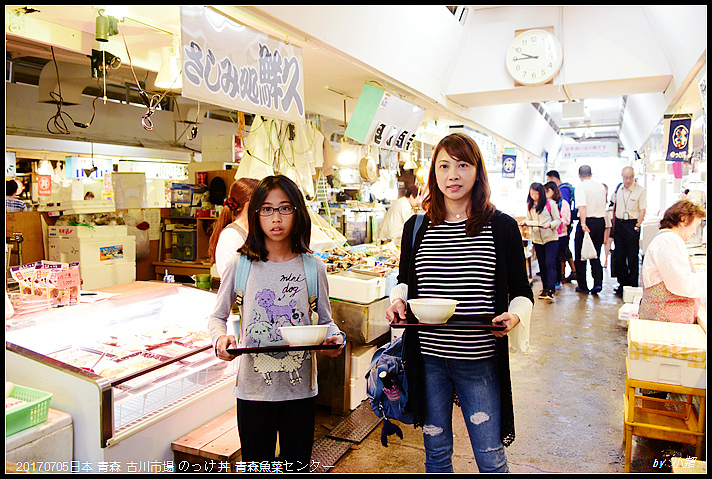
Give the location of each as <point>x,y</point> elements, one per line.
<point>44,185</point>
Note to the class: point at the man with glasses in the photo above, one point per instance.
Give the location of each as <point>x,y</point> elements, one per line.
<point>630,202</point>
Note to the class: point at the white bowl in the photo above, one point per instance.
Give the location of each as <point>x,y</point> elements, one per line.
<point>432,310</point>
<point>311,335</point>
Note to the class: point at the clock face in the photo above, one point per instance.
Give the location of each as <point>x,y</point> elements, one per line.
<point>534,57</point>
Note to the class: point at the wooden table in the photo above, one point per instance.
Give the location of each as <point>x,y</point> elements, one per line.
<point>663,419</point>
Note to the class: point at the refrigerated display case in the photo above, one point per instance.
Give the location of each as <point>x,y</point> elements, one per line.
<point>135,372</point>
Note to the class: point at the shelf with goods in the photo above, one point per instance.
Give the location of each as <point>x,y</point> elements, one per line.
<point>183,245</point>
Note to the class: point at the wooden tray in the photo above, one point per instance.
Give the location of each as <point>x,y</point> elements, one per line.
<point>280,349</point>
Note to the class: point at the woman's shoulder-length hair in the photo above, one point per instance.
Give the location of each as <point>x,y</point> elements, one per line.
<point>461,147</point>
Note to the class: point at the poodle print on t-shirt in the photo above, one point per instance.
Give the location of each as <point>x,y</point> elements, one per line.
<point>274,310</point>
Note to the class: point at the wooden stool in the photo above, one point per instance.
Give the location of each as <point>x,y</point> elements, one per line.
<point>215,442</point>
<point>654,419</point>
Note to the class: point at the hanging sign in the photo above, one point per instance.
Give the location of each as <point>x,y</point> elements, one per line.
<point>231,65</point>
<point>44,185</point>
<point>383,119</point>
<point>509,164</point>
<point>678,134</point>
<point>589,149</point>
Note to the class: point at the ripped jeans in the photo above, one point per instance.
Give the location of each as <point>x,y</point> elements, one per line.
<point>477,387</point>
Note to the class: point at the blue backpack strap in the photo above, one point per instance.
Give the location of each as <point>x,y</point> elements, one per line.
<point>312,280</point>
<point>241,274</point>
<point>416,228</point>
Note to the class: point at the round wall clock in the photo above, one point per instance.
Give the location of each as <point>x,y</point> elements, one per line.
<point>534,57</point>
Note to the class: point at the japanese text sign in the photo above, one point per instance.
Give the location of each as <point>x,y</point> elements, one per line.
<point>677,128</point>
<point>234,66</point>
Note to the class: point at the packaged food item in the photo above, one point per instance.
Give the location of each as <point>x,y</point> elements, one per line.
<point>63,285</point>
<point>24,274</point>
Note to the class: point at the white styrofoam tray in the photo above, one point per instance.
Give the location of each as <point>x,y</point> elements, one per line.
<point>359,288</point>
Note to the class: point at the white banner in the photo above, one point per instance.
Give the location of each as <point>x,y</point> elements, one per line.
<point>232,65</point>
<point>589,150</point>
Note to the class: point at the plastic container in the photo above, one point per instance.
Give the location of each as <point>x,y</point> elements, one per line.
<point>30,414</point>
<point>669,353</point>
<point>355,287</point>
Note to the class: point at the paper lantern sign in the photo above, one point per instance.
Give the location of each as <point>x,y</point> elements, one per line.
<point>383,119</point>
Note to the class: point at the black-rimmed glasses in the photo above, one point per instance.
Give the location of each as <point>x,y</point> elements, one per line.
<point>283,210</point>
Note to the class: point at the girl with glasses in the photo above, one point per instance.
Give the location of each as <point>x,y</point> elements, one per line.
<point>274,391</point>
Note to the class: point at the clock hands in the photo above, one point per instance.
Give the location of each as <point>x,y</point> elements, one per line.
<point>526,57</point>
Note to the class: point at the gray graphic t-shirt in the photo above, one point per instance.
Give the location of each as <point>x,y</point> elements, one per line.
<point>276,295</point>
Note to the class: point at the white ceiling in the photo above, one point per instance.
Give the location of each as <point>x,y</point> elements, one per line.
<point>330,78</point>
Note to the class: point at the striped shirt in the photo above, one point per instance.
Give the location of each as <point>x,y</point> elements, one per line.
<point>451,265</point>
<point>14,205</point>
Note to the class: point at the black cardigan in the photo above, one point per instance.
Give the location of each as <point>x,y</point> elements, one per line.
<point>511,281</point>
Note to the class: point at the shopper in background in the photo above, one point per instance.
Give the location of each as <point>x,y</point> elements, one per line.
<point>590,198</point>
<point>466,250</point>
<point>565,256</point>
<point>630,202</point>
<point>89,196</point>
<point>13,204</point>
<point>392,224</point>
<point>275,393</point>
<point>608,235</point>
<point>553,193</point>
<point>544,219</point>
<point>672,288</point>
<point>230,229</point>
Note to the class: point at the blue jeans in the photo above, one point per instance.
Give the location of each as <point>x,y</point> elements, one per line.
<point>477,387</point>
<point>548,256</point>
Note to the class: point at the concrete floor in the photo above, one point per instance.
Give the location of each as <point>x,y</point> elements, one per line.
<point>568,400</point>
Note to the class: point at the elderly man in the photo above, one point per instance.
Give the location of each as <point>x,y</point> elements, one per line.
<point>630,202</point>
<point>590,199</point>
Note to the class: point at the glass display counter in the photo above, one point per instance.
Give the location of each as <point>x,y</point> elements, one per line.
<point>135,371</point>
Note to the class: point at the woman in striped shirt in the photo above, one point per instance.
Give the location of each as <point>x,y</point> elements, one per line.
<point>469,251</point>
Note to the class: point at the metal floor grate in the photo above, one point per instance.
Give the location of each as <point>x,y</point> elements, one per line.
<point>326,452</point>
<point>357,425</point>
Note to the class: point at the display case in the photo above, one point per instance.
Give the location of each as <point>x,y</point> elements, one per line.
<point>135,371</point>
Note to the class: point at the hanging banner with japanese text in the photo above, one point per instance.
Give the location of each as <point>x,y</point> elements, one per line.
<point>678,134</point>
<point>234,66</point>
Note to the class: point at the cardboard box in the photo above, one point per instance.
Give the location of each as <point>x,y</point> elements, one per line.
<point>669,353</point>
<point>78,231</point>
<point>93,251</point>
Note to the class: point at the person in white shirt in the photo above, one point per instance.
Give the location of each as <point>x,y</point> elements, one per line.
<point>672,288</point>
<point>590,198</point>
<point>392,224</point>
<point>630,203</point>
<point>230,229</point>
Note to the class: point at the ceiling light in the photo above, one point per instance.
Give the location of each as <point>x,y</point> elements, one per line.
<point>169,76</point>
